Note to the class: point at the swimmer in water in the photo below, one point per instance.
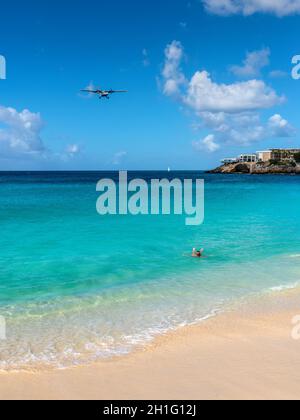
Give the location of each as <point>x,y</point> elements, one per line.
<point>197,254</point>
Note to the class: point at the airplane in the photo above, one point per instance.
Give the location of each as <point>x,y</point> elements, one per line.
<point>103,93</point>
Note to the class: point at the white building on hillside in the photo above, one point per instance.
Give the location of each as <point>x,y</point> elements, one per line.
<point>264,156</point>
<point>248,158</point>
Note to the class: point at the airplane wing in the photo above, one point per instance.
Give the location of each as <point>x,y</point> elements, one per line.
<point>90,91</point>
<point>118,91</point>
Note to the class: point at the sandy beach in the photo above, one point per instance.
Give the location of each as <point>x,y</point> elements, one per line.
<point>246,353</point>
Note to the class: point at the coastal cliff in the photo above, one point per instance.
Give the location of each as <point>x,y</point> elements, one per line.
<point>259,168</point>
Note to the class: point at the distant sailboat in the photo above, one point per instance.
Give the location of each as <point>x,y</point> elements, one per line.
<point>169,169</point>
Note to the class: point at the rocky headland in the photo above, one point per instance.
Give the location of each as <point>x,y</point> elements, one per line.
<point>259,168</point>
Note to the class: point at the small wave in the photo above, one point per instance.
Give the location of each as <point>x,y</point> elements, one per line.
<point>294,256</point>
<point>284,287</point>
<point>48,354</point>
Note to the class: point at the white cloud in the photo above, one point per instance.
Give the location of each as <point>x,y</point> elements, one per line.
<point>172,73</point>
<point>20,138</point>
<point>174,51</point>
<point>73,150</point>
<point>280,127</point>
<point>146,60</point>
<point>230,111</point>
<point>252,65</point>
<point>20,132</point>
<point>202,94</point>
<point>207,144</point>
<point>245,128</point>
<point>205,95</point>
<point>118,157</point>
<point>279,8</point>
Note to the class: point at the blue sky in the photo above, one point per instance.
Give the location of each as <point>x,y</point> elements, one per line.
<point>206,79</point>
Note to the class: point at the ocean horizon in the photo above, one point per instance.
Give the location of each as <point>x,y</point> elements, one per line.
<point>77,287</point>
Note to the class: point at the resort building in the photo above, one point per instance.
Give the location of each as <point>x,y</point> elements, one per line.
<point>248,158</point>
<point>264,156</point>
<point>284,154</point>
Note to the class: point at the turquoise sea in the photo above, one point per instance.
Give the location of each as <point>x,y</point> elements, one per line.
<point>76,287</point>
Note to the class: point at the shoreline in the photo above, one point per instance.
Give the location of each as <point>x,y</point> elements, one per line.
<point>245,352</point>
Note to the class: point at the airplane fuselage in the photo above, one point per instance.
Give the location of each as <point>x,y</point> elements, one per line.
<point>104,94</point>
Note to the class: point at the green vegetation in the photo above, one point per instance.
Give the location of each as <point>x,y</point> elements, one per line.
<point>297,157</point>
<point>277,162</point>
